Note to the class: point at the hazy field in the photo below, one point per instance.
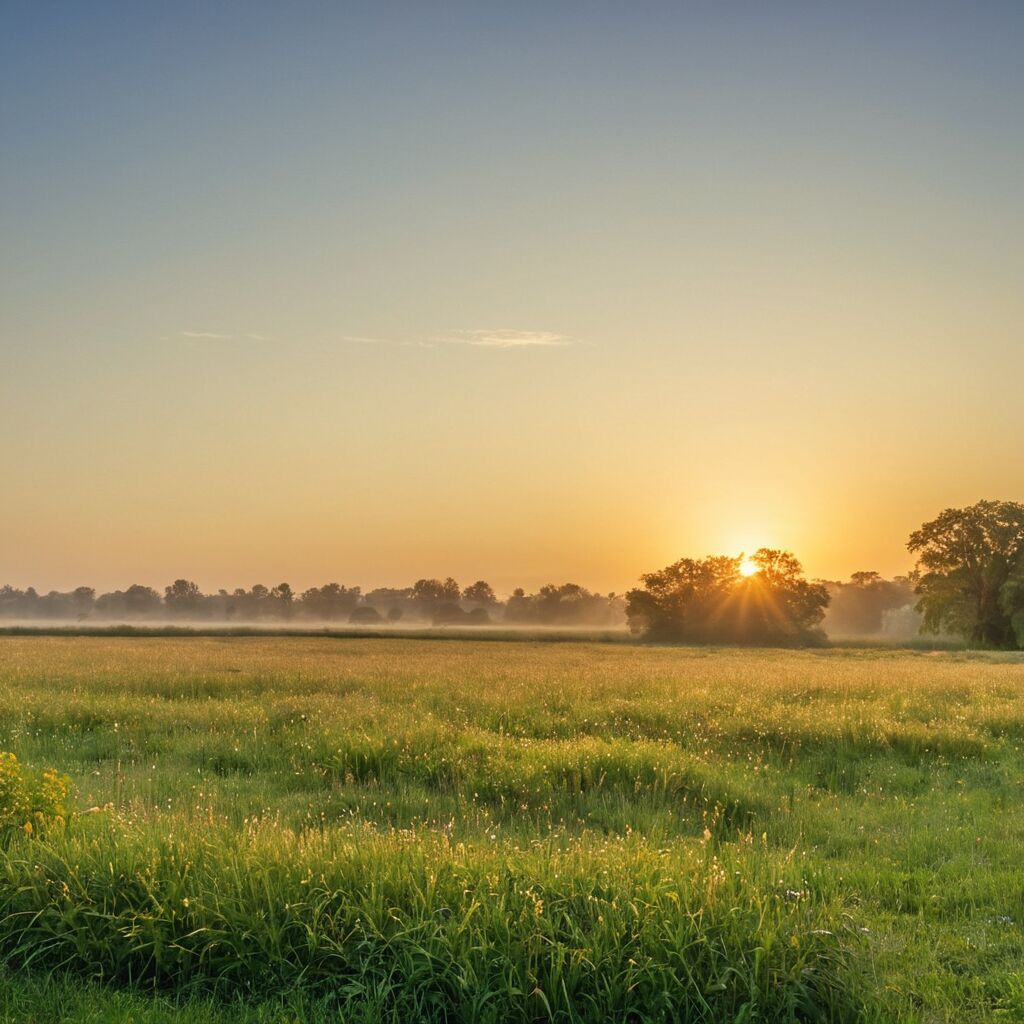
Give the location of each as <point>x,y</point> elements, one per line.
<point>405,830</point>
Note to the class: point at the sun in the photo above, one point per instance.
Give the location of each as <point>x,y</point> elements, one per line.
<point>748,567</point>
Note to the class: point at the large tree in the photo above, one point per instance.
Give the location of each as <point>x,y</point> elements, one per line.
<point>970,573</point>
<point>709,600</point>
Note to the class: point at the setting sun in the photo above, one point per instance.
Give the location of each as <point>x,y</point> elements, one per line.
<point>748,567</point>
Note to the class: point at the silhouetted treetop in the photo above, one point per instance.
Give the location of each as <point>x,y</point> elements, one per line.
<point>480,593</point>
<point>708,600</point>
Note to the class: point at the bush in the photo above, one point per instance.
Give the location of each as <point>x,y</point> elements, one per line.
<point>29,800</point>
<point>448,615</point>
<point>365,615</point>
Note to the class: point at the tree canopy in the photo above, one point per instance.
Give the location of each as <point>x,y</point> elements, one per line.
<point>970,573</point>
<point>708,600</point>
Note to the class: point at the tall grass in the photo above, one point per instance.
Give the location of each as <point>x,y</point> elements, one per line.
<point>415,927</point>
<point>419,830</point>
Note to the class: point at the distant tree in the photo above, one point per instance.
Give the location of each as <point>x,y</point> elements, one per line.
<point>329,602</point>
<point>517,607</point>
<point>137,602</point>
<point>257,601</point>
<point>386,598</point>
<point>237,605</point>
<point>430,595</point>
<point>58,604</point>
<point>219,606</point>
<point>480,593</point>
<point>112,605</point>
<point>566,605</point>
<point>970,573</point>
<point>22,604</point>
<point>183,597</point>
<point>281,599</point>
<point>708,601</point>
<point>424,591</point>
<point>140,600</point>
<point>11,601</point>
<point>394,614</point>
<point>859,607</point>
<point>555,605</point>
<point>82,601</point>
<point>865,579</point>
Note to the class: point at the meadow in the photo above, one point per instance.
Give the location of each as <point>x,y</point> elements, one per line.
<point>395,829</point>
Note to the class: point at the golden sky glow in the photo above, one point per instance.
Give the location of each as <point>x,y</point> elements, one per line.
<point>533,301</point>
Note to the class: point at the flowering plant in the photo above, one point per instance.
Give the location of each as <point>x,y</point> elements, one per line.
<point>31,800</point>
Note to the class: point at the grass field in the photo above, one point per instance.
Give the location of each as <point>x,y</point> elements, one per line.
<point>305,829</point>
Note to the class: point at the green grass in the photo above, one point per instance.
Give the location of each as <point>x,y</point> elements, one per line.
<point>313,829</point>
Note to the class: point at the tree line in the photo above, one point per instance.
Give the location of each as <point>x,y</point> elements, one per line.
<point>968,583</point>
<point>438,602</point>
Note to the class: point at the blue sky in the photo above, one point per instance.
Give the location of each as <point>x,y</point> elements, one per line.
<point>514,290</point>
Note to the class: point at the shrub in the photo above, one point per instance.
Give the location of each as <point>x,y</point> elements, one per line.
<point>30,800</point>
<point>365,615</point>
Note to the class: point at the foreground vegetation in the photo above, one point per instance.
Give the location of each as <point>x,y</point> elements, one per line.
<point>274,829</point>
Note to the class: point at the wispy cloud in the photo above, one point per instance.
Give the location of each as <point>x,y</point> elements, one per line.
<point>480,338</point>
<point>503,338</point>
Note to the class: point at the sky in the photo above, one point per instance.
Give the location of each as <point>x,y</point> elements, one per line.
<point>524,291</point>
